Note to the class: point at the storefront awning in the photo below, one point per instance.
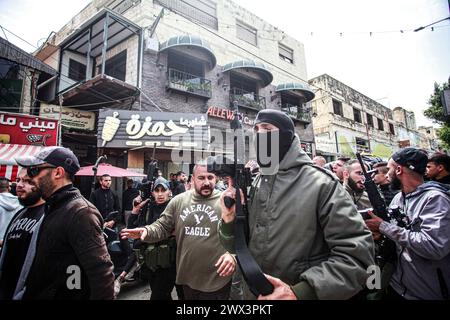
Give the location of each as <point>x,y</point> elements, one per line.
<point>297,88</point>
<point>191,42</point>
<point>258,68</point>
<point>100,89</point>
<point>8,152</point>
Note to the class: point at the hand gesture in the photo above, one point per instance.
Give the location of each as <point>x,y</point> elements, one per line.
<point>137,233</point>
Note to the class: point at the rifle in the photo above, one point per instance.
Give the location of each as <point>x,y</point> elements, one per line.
<point>252,273</point>
<point>95,168</point>
<point>387,247</point>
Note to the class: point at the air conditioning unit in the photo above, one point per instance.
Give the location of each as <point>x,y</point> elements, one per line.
<point>151,45</point>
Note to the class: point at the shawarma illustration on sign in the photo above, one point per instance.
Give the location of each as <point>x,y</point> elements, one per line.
<point>110,128</point>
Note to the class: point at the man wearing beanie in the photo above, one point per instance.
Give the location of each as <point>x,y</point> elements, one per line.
<point>423,268</point>
<point>305,232</point>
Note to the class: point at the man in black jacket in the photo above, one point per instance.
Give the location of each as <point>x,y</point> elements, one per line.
<point>161,277</point>
<point>19,237</point>
<point>105,200</point>
<point>70,259</point>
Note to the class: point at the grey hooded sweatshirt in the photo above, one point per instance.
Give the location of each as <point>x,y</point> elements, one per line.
<point>423,268</point>
<point>305,230</point>
<point>9,205</point>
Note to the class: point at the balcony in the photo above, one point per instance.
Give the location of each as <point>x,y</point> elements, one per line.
<point>188,83</point>
<point>247,99</point>
<point>296,112</point>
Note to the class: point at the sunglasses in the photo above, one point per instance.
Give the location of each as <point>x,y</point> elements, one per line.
<point>34,171</point>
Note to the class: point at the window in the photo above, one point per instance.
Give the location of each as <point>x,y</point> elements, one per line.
<point>362,145</point>
<point>246,33</point>
<point>337,107</point>
<point>369,120</point>
<point>357,115</point>
<point>285,53</point>
<point>380,124</point>
<point>243,84</point>
<point>117,66</point>
<point>202,11</point>
<point>391,128</point>
<point>185,64</point>
<point>77,70</point>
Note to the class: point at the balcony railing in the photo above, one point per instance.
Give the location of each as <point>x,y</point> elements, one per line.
<point>247,99</point>
<point>185,82</point>
<point>296,112</point>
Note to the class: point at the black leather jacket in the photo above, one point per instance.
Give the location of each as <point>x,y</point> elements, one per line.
<point>71,260</point>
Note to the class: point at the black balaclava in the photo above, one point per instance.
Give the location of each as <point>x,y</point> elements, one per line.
<point>286,132</point>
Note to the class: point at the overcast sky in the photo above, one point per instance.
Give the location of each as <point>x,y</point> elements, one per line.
<point>394,68</point>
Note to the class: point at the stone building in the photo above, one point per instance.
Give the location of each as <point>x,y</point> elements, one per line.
<point>174,58</point>
<point>347,121</point>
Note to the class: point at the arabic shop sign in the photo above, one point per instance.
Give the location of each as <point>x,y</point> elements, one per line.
<point>70,118</point>
<point>30,130</point>
<point>165,130</point>
<point>228,115</point>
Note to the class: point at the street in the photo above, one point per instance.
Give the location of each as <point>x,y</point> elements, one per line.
<point>138,290</point>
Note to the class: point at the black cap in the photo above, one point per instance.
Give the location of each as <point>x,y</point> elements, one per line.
<point>57,156</point>
<point>412,158</point>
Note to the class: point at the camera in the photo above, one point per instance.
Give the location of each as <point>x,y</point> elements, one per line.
<point>147,183</point>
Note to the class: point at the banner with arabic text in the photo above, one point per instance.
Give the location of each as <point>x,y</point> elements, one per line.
<point>165,130</point>
<point>25,129</point>
<point>70,118</point>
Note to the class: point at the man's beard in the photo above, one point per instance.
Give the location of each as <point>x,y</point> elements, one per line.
<point>32,198</point>
<point>396,184</point>
<point>46,186</point>
<point>204,188</point>
<point>353,185</point>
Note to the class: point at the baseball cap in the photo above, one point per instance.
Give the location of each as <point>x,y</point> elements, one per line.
<point>57,156</point>
<point>412,158</point>
<point>161,182</point>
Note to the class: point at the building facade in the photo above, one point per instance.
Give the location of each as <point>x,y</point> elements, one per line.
<point>346,121</point>
<point>178,57</point>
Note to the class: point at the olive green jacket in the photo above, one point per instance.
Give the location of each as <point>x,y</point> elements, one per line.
<point>305,230</point>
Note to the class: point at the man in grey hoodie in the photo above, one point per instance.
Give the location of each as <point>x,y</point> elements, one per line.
<point>423,245</point>
<point>9,205</point>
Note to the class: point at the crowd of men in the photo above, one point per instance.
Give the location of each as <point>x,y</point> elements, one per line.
<point>311,228</point>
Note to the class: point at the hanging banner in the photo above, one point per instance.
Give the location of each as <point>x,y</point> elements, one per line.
<point>28,130</point>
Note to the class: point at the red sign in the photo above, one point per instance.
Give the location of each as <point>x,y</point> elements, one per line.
<point>25,129</point>
<point>227,114</point>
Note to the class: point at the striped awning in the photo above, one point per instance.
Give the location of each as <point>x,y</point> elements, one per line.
<point>8,166</point>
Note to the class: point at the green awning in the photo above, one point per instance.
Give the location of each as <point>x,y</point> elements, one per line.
<point>297,87</point>
<point>258,67</point>
<point>191,41</point>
